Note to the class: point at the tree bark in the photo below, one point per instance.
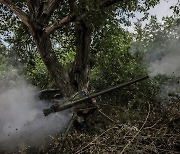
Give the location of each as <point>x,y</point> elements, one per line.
<point>80,69</point>
<point>55,69</point>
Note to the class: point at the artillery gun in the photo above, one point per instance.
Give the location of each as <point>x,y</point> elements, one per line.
<point>70,103</point>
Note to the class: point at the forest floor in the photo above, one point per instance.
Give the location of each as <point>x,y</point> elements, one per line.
<point>152,131</point>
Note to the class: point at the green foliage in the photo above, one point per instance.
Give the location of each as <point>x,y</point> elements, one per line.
<point>113,58</point>
<point>115,64</point>
<point>156,41</point>
<point>176,9</point>
<point>38,74</point>
<point>117,56</point>
<point>8,74</point>
<point>63,41</point>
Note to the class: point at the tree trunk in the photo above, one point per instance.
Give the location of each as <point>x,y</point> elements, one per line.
<point>50,59</point>
<point>80,69</point>
<point>37,18</point>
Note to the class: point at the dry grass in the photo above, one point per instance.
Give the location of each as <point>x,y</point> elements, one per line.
<point>156,131</point>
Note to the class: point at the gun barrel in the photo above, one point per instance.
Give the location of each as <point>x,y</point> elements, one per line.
<point>70,104</point>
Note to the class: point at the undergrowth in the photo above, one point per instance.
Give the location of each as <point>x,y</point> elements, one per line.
<point>153,130</point>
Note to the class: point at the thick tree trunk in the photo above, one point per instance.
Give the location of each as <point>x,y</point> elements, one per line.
<point>80,69</point>
<point>37,20</point>
<point>55,69</point>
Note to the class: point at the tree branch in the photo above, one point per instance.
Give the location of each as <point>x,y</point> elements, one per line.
<point>41,12</point>
<point>107,3</point>
<point>51,28</point>
<point>22,16</point>
<point>70,18</point>
<point>29,2</point>
<point>50,6</point>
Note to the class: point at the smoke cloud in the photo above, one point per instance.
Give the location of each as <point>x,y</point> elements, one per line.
<point>21,119</point>
<point>163,57</point>
<point>166,61</point>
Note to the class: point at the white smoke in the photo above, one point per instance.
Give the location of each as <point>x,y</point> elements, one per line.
<point>166,60</point>
<point>21,118</point>
<point>163,58</point>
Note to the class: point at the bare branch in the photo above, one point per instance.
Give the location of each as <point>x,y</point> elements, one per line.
<point>51,28</point>
<point>22,15</point>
